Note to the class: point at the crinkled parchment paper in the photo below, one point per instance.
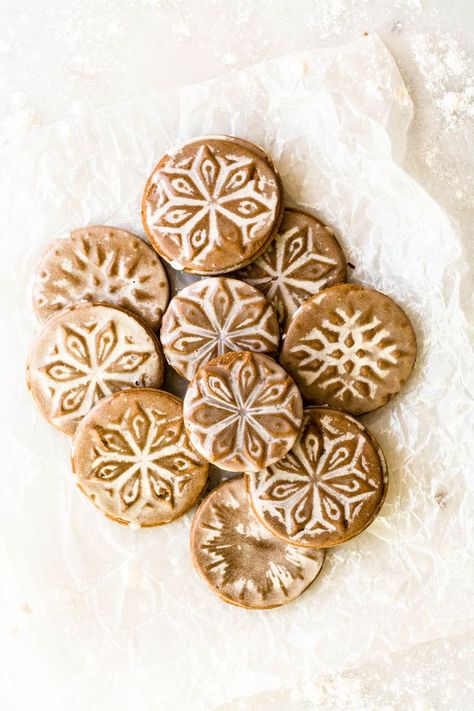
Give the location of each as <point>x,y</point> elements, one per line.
<point>97,616</point>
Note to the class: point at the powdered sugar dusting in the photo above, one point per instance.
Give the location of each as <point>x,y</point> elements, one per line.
<point>448,75</point>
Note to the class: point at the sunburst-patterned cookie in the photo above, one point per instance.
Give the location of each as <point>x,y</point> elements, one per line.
<point>240,560</point>
<point>349,347</point>
<point>133,460</point>
<point>212,205</point>
<point>85,353</point>
<point>101,264</point>
<point>328,488</point>
<point>242,411</point>
<point>212,317</point>
<point>304,258</point>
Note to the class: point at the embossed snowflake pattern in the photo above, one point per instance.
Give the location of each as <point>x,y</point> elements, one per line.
<point>209,201</point>
<point>215,316</point>
<point>243,560</point>
<point>100,264</point>
<point>323,483</point>
<point>143,459</point>
<point>243,414</point>
<point>291,270</point>
<point>87,363</point>
<point>347,354</point>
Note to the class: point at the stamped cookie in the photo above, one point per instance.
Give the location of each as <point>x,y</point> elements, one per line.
<point>240,560</point>
<point>133,460</point>
<point>212,205</point>
<point>350,347</point>
<point>101,264</point>
<point>242,411</point>
<point>304,258</point>
<point>328,488</point>
<point>212,317</point>
<point>87,352</point>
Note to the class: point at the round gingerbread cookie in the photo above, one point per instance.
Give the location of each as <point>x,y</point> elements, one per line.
<point>212,205</point>
<point>133,460</point>
<point>242,411</point>
<point>328,488</point>
<point>304,258</point>
<point>240,560</point>
<point>87,352</point>
<point>101,264</point>
<point>349,347</point>
<point>212,317</point>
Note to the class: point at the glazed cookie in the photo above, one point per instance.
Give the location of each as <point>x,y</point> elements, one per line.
<point>87,352</point>
<point>328,488</point>
<point>350,347</point>
<point>242,411</point>
<point>212,205</point>
<point>133,460</point>
<point>212,317</point>
<point>304,258</point>
<point>240,560</point>
<point>101,264</point>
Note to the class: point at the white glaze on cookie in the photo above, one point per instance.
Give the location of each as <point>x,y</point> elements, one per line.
<point>211,204</point>
<point>242,411</point>
<point>85,353</point>
<point>133,458</point>
<point>328,488</point>
<point>240,560</point>
<point>212,317</point>
<point>304,258</point>
<point>101,264</point>
<point>350,347</point>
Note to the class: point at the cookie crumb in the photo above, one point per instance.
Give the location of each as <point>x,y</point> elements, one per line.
<point>441,498</point>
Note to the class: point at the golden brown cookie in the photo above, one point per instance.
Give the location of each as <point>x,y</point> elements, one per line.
<point>304,258</point>
<point>242,411</point>
<point>328,488</point>
<point>349,347</point>
<point>212,205</point>
<point>85,353</point>
<point>133,459</point>
<point>240,560</point>
<point>212,317</point>
<point>101,264</point>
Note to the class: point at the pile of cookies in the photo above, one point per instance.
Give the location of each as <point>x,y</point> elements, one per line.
<point>285,326</point>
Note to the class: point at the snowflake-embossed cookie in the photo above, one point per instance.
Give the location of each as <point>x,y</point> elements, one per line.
<point>85,353</point>
<point>212,205</point>
<point>101,264</point>
<point>212,317</point>
<point>328,488</point>
<point>350,347</point>
<point>240,560</point>
<point>242,411</point>
<point>133,460</point>
<point>304,258</point>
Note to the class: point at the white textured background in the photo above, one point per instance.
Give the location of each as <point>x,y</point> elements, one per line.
<point>60,58</point>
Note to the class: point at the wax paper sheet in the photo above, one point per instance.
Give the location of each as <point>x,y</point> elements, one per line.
<point>97,616</point>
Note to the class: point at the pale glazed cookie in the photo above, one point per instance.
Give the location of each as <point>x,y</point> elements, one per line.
<point>85,353</point>
<point>133,459</point>
<point>350,347</point>
<point>101,264</point>
<point>212,205</point>
<point>304,258</point>
<point>242,411</point>
<point>212,317</point>
<point>240,560</point>
<point>328,488</point>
